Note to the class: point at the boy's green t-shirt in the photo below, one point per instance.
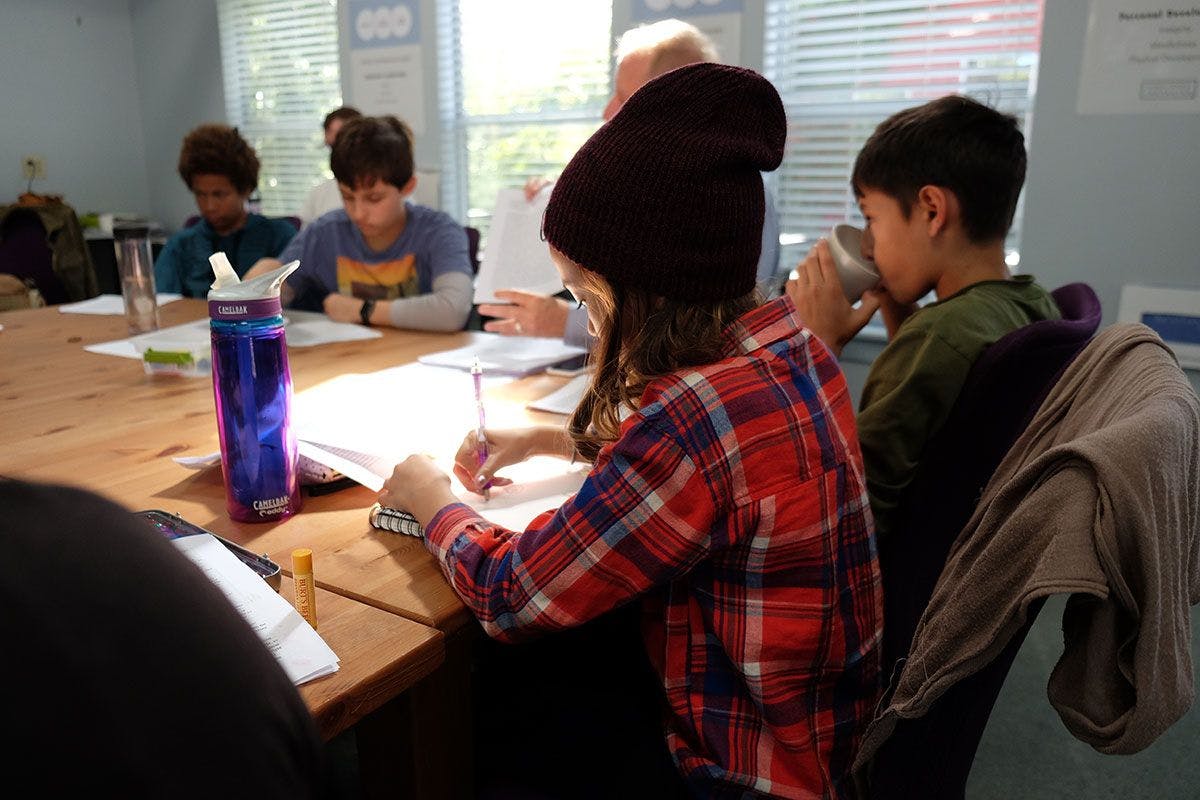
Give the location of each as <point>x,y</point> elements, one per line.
<point>915,381</point>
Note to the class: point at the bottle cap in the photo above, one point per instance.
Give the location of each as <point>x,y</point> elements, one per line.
<point>301,561</point>
<point>233,299</point>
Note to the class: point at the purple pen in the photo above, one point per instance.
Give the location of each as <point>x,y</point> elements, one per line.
<point>481,455</point>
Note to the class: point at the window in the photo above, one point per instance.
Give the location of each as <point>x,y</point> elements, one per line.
<point>522,85</point>
<point>280,59</point>
<point>842,67</point>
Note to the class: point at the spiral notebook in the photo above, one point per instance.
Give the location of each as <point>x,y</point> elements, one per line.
<point>396,521</point>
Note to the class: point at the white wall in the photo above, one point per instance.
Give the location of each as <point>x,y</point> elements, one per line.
<point>70,93</point>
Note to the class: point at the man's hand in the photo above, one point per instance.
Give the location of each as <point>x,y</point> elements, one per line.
<point>342,307</point>
<point>821,302</point>
<point>535,185</point>
<point>526,314</point>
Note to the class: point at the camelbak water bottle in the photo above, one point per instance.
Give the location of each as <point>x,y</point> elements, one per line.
<point>252,387</point>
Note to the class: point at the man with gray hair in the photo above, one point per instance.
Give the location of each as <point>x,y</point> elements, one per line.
<point>642,54</point>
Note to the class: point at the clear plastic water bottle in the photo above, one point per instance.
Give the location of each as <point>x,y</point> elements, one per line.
<point>252,385</point>
<point>136,267</point>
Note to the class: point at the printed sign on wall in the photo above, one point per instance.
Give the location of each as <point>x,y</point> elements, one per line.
<point>1141,58</point>
<point>385,60</point>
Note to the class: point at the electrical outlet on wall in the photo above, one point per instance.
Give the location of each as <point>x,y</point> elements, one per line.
<point>33,167</point>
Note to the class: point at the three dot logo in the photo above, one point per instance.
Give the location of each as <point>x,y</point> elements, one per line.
<point>383,22</point>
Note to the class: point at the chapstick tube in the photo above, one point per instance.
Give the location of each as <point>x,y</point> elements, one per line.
<point>302,581</point>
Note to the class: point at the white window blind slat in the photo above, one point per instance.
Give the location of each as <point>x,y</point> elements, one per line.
<point>843,66</point>
<point>509,113</point>
<point>281,68</point>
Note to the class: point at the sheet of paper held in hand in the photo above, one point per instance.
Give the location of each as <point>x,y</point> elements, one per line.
<point>363,425</point>
<point>304,329</point>
<point>515,256</point>
<point>300,649</point>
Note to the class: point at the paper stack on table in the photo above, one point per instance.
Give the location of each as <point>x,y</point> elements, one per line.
<point>565,399</point>
<point>110,304</point>
<point>505,355</point>
<point>300,650</point>
<point>304,329</point>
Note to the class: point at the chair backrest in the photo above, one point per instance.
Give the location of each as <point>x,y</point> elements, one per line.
<point>931,757</point>
<point>25,253</point>
<point>473,247</point>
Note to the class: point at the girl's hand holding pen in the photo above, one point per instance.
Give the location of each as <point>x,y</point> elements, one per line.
<point>505,447</point>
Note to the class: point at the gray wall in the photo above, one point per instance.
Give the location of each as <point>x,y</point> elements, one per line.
<point>178,59</point>
<point>1110,199</point>
<point>70,93</point>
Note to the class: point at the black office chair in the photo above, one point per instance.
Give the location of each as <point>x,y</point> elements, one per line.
<point>25,254</point>
<point>473,247</point>
<point>930,757</point>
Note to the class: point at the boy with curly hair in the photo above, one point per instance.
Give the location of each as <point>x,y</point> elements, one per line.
<point>220,169</point>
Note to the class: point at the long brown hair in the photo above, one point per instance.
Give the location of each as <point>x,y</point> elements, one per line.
<point>641,337</point>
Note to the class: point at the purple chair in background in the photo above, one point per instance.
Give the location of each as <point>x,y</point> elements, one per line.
<point>930,757</point>
<point>25,254</point>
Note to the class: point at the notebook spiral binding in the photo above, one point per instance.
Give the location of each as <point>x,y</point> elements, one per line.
<point>396,521</point>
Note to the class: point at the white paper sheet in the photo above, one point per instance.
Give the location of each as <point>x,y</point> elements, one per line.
<point>110,304</point>
<point>301,651</point>
<point>565,399</point>
<point>505,355</point>
<point>369,470</point>
<point>515,256</point>
<point>363,425</point>
<point>540,484</point>
<point>304,329</point>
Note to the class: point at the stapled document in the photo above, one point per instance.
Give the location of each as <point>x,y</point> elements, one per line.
<point>301,651</point>
<point>515,256</point>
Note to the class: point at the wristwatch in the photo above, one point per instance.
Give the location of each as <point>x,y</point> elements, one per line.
<point>364,313</point>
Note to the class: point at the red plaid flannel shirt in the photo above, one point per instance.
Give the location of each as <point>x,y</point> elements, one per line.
<point>733,506</point>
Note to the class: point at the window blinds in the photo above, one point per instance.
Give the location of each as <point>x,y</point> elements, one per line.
<point>280,59</point>
<point>842,67</point>
<point>522,84</point>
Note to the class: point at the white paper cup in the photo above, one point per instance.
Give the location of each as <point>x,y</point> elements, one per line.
<point>858,274</point>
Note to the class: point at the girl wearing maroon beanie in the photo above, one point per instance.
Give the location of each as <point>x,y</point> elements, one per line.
<point>726,495</point>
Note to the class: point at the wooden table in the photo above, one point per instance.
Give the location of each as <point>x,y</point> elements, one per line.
<point>98,421</point>
<point>382,656</point>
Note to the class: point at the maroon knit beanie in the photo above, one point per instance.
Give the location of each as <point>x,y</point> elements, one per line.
<point>667,196</point>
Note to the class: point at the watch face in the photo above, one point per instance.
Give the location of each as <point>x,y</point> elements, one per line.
<point>364,313</point>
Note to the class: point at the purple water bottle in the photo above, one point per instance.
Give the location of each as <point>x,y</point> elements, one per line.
<point>252,386</point>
